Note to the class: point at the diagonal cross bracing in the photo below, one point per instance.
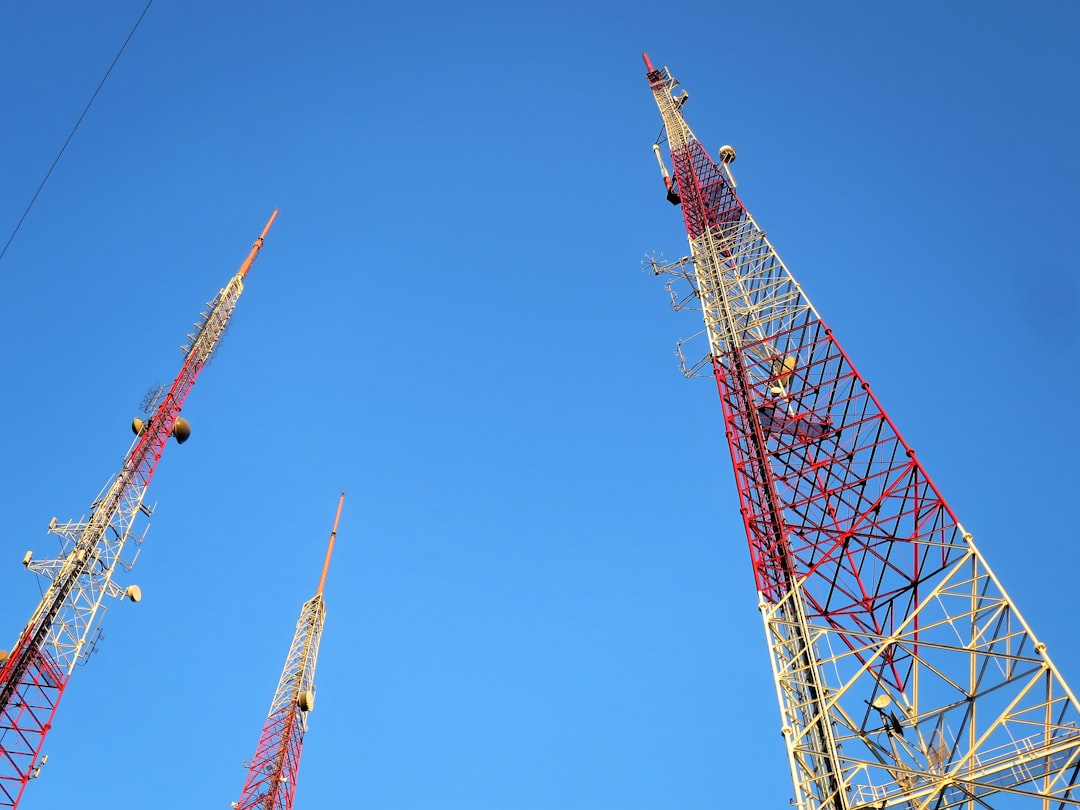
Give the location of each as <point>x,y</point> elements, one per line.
<point>61,631</point>
<point>904,673</point>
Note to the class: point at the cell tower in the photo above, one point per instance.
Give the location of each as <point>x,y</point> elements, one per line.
<point>906,677</point>
<point>271,776</point>
<point>64,628</point>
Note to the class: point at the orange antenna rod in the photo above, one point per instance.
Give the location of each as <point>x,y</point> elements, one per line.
<point>333,531</point>
<point>250,260</point>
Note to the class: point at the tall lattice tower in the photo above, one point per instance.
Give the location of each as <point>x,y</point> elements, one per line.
<point>905,674</point>
<point>271,776</point>
<point>63,629</point>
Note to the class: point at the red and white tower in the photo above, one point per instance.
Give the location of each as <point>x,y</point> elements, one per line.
<point>905,674</point>
<point>64,628</point>
<point>271,776</point>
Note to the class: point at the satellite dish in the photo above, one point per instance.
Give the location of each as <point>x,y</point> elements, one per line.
<point>881,701</point>
<point>306,700</point>
<point>181,430</point>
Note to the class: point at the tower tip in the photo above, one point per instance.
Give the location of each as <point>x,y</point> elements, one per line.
<point>250,260</point>
<point>648,62</point>
<point>330,545</point>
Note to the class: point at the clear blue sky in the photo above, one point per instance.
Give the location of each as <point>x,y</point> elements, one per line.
<point>541,597</point>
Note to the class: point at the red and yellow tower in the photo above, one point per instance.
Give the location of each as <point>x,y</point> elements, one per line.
<point>906,676</point>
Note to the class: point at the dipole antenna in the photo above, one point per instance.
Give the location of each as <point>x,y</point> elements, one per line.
<point>905,675</point>
<point>64,627</point>
<point>272,774</point>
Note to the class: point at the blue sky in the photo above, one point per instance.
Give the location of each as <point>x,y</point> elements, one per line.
<point>541,596</point>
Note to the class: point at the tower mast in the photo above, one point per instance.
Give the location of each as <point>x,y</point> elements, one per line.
<point>271,777</point>
<point>64,627</point>
<point>906,676</point>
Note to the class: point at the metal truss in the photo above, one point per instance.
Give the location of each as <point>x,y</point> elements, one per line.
<point>271,777</point>
<point>272,773</point>
<point>905,675</point>
<point>63,629</point>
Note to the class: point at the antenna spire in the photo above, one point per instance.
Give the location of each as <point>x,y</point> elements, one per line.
<point>250,260</point>
<point>271,779</point>
<point>333,536</point>
<point>64,628</point>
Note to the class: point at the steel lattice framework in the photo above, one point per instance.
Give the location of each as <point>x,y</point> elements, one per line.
<point>63,629</point>
<point>906,677</point>
<point>272,773</point>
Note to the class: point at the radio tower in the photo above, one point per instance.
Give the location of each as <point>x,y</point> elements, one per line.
<point>64,627</point>
<point>271,777</point>
<point>906,677</point>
